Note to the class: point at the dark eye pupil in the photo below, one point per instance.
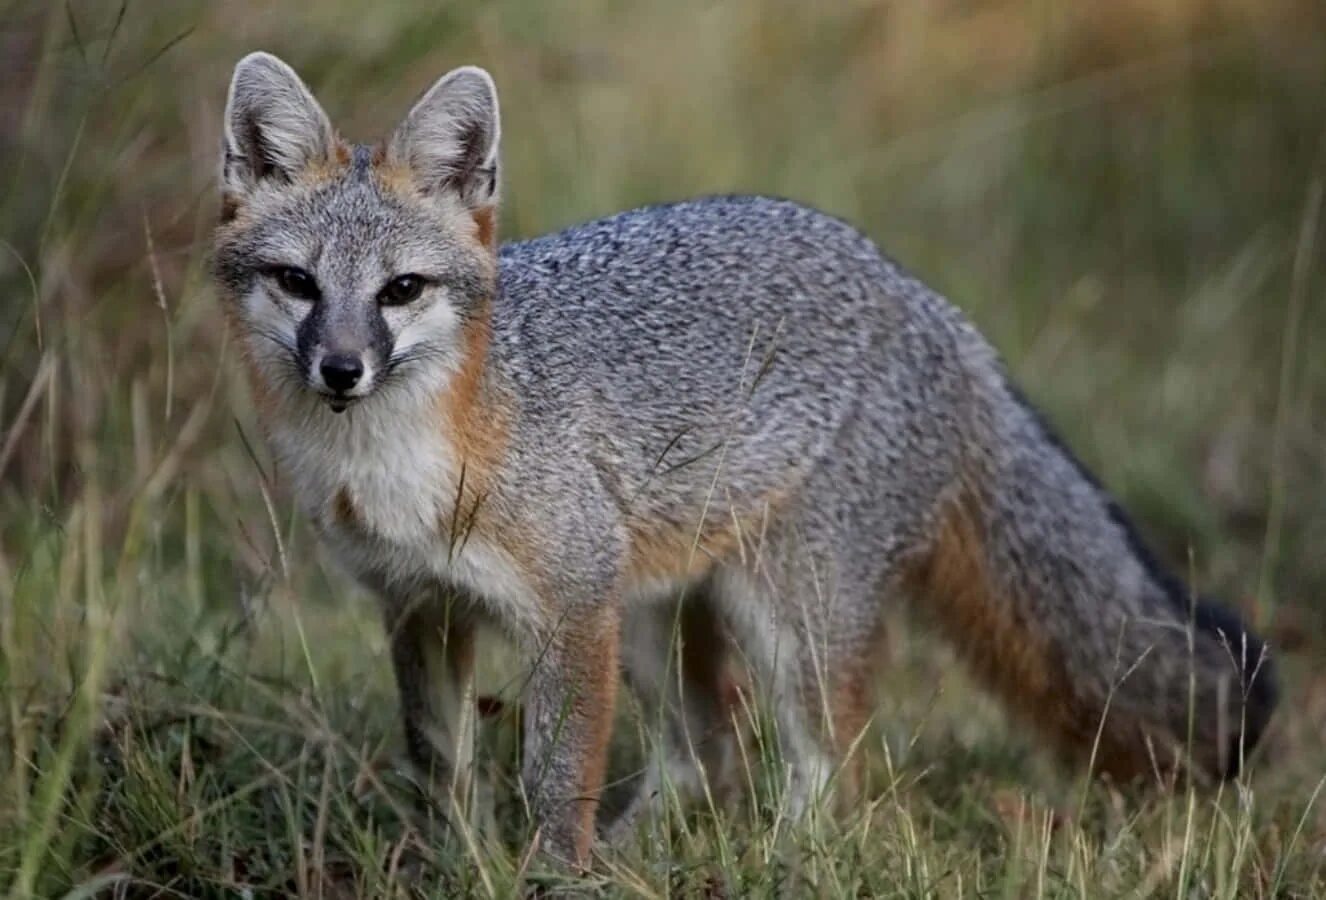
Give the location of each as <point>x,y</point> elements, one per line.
<point>402,289</point>
<point>297,283</point>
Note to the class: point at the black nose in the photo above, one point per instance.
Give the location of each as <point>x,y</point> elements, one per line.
<point>341,371</point>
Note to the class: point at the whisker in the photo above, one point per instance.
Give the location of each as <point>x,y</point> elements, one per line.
<point>275,337</point>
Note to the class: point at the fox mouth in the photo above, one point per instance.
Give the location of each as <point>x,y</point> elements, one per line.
<point>339,403</point>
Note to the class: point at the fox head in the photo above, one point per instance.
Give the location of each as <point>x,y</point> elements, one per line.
<point>352,268</point>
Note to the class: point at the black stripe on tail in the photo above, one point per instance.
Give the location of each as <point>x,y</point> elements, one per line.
<point>1261,692</point>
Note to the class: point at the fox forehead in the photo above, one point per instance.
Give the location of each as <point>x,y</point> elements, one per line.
<point>354,221</point>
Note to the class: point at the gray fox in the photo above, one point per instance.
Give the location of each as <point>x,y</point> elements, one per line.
<point>720,430</point>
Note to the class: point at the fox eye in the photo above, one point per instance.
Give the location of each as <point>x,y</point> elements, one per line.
<point>401,290</point>
<point>296,282</point>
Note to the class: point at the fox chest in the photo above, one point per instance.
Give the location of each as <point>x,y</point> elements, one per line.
<point>388,507</point>
<point>380,512</point>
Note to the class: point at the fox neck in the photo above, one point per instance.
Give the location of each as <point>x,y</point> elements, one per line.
<point>407,464</point>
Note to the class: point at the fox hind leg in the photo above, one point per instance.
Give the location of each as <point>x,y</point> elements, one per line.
<point>676,660</point>
<point>814,648</point>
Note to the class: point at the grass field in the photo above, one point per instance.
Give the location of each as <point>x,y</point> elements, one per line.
<point>1125,197</point>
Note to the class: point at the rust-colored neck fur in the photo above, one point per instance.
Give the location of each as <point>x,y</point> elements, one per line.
<point>475,419</point>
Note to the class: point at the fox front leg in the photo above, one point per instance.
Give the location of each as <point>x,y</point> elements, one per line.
<point>568,726</point>
<point>432,652</point>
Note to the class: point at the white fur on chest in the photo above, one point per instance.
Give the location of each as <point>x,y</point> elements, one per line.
<point>397,471</point>
<point>401,478</point>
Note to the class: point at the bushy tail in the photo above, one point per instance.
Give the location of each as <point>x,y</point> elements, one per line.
<point>1040,579</point>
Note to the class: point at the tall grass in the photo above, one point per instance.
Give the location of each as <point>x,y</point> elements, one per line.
<point>1125,197</point>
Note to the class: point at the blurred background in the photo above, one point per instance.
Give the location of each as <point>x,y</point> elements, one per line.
<point>1125,197</point>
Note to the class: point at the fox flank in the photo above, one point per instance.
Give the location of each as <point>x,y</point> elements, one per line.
<point>728,423</point>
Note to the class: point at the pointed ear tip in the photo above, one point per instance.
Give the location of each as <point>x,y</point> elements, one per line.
<point>260,62</point>
<point>257,58</point>
<point>475,71</point>
<point>472,74</point>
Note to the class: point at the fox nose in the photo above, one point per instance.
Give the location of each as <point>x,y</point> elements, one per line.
<point>341,371</point>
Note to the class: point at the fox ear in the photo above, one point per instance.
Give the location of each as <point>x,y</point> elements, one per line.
<point>450,138</point>
<point>273,128</point>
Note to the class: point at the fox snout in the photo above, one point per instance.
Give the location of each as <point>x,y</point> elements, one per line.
<point>341,373</point>
<point>342,360</point>
<point>341,376</point>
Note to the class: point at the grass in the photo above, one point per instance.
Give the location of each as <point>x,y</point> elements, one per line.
<point>1125,197</point>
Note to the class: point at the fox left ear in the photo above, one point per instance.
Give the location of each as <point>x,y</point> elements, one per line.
<point>450,139</point>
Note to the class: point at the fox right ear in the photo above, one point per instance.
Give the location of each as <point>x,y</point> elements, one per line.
<point>273,126</point>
